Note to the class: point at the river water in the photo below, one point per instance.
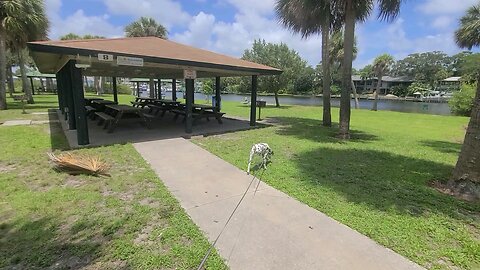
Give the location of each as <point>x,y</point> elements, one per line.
<point>386,105</point>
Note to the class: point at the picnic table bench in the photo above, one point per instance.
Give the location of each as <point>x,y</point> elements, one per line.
<point>118,112</point>
<point>104,119</point>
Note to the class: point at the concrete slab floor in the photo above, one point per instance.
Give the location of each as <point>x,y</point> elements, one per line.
<point>270,230</point>
<point>132,130</point>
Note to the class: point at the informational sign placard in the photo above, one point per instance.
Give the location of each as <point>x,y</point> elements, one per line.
<point>129,61</point>
<point>105,57</point>
<point>189,74</point>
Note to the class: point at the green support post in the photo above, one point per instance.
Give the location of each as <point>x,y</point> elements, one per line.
<point>115,90</point>
<point>138,89</point>
<point>67,78</point>
<point>189,92</point>
<point>79,103</point>
<point>174,89</point>
<point>61,105</point>
<point>218,97</point>
<point>253,101</point>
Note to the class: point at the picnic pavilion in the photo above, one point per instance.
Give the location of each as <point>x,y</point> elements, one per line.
<point>40,76</point>
<point>138,57</point>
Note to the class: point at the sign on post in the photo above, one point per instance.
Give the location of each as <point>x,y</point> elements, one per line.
<point>129,61</point>
<point>105,57</point>
<point>189,74</point>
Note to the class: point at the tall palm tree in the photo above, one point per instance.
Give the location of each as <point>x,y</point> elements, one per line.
<point>381,65</point>
<point>336,57</point>
<point>357,10</point>
<point>23,21</point>
<point>146,27</point>
<point>310,17</point>
<point>468,164</point>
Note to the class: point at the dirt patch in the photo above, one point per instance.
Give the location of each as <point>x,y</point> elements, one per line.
<point>150,202</point>
<point>4,168</point>
<point>464,190</point>
<point>73,181</point>
<point>113,265</point>
<point>70,262</point>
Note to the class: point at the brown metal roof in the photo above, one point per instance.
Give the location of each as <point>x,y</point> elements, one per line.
<point>171,56</point>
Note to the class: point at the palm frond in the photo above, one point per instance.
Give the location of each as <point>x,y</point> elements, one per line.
<point>79,164</point>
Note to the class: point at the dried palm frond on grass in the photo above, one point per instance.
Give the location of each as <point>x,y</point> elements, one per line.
<point>79,164</point>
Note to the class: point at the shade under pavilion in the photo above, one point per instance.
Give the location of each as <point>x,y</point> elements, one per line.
<point>144,57</point>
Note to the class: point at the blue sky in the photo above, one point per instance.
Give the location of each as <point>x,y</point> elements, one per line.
<point>230,26</point>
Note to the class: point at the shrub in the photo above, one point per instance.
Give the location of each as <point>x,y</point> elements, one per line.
<point>418,87</point>
<point>399,90</point>
<point>124,89</point>
<point>462,101</point>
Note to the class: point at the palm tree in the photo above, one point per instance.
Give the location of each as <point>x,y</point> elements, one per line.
<point>22,21</point>
<point>381,66</point>
<point>468,164</point>
<point>310,17</point>
<point>146,27</point>
<point>336,58</point>
<point>357,10</point>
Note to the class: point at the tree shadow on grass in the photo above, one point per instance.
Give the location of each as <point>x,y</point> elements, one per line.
<point>443,146</point>
<point>42,244</point>
<point>382,181</point>
<point>312,129</point>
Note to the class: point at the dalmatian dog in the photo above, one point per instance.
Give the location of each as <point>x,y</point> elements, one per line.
<point>262,150</point>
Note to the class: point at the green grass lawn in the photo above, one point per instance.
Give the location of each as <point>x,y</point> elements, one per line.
<point>53,220</point>
<point>375,183</point>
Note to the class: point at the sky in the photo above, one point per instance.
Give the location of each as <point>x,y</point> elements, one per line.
<point>231,26</point>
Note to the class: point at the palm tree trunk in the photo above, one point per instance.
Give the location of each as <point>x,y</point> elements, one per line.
<point>349,37</point>
<point>3,74</point>
<point>152,88</point>
<point>468,164</point>
<point>11,84</point>
<point>354,88</point>
<point>327,114</point>
<point>375,95</point>
<point>277,103</point>
<point>23,72</point>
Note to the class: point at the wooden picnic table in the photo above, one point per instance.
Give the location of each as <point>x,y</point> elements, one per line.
<point>99,105</point>
<point>120,111</point>
<point>199,111</point>
<point>88,101</point>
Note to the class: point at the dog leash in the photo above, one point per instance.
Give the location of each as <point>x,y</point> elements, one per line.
<point>226,223</point>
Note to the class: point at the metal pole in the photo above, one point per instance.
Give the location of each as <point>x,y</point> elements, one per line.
<point>253,101</point>
<point>174,89</point>
<point>190,87</point>
<point>218,97</point>
<point>115,91</point>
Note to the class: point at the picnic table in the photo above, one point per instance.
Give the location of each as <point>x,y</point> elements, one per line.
<point>142,101</point>
<point>162,105</point>
<point>119,112</point>
<point>199,111</point>
<point>88,101</point>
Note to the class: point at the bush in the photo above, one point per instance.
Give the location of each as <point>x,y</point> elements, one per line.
<point>399,90</point>
<point>124,89</point>
<point>418,87</point>
<point>462,101</point>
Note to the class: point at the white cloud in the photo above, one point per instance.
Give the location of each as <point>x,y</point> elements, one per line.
<point>199,31</point>
<point>443,22</point>
<point>167,12</point>
<point>435,7</point>
<point>253,6</point>
<point>78,23</point>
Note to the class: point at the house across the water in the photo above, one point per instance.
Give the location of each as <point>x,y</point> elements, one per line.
<point>388,82</point>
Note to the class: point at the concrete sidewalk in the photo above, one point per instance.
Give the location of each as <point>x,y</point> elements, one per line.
<point>270,230</point>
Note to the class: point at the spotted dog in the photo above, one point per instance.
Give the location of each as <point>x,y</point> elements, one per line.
<point>264,151</point>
